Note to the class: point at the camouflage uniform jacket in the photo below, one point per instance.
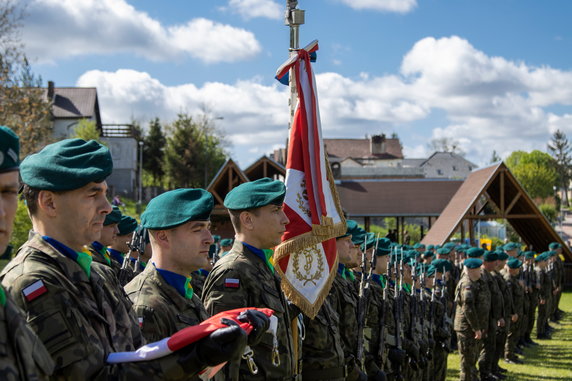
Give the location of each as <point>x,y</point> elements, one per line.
<point>322,347</point>
<point>79,319</point>
<point>22,354</point>
<point>506,295</point>
<point>160,308</point>
<point>484,301</point>
<point>496,299</point>
<point>198,283</point>
<point>242,279</point>
<point>467,311</point>
<point>544,283</point>
<point>517,292</point>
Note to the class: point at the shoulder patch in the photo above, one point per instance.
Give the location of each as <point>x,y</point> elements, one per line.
<point>34,290</point>
<point>140,321</point>
<point>231,283</point>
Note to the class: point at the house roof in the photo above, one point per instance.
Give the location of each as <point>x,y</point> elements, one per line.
<point>228,177</point>
<point>496,187</point>
<point>361,148</point>
<point>396,197</point>
<point>265,167</point>
<point>75,102</point>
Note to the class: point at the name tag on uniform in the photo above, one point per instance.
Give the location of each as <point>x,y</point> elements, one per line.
<point>34,290</point>
<point>232,283</point>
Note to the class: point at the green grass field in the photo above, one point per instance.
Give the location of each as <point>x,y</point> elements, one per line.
<point>550,361</point>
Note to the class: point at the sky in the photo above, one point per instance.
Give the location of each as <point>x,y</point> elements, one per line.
<point>490,74</point>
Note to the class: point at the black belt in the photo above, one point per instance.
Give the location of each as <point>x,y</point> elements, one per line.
<point>324,374</point>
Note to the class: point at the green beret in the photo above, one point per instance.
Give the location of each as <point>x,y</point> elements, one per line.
<point>176,207</point>
<point>226,242</point>
<point>127,225</point>
<point>224,253</point>
<point>428,254</point>
<point>368,242</point>
<point>67,165</point>
<point>383,247</point>
<point>443,251</point>
<point>9,150</point>
<point>462,248</point>
<point>450,245</point>
<point>358,235</point>
<point>475,252</point>
<point>511,246</point>
<point>442,265</point>
<point>554,246</point>
<point>255,194</point>
<point>541,257</point>
<point>473,263</point>
<point>114,217</point>
<point>514,263</point>
<point>502,255</point>
<point>490,256</point>
<point>419,245</point>
<point>529,254</point>
<point>350,225</point>
<point>430,271</point>
<point>430,247</point>
<point>551,253</point>
<point>216,238</point>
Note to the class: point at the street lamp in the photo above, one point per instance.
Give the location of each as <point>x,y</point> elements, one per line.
<point>140,191</point>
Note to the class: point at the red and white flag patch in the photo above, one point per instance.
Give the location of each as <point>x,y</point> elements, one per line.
<point>232,283</point>
<point>140,319</point>
<point>34,290</point>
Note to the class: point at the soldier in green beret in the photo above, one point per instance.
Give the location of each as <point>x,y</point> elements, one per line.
<point>558,280</point>
<point>507,315</point>
<point>468,326</point>
<point>531,289</point>
<point>109,232</point>
<point>245,277</point>
<point>70,301</point>
<point>225,244</point>
<point>515,287</point>
<point>512,249</point>
<point>23,357</point>
<point>119,250</point>
<point>544,295</point>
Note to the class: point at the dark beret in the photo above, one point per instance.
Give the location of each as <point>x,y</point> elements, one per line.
<point>176,207</point>
<point>9,150</point>
<point>255,194</point>
<point>475,252</point>
<point>127,225</point>
<point>514,263</point>
<point>383,247</point>
<point>473,263</point>
<point>114,217</point>
<point>554,246</point>
<point>226,242</point>
<point>511,246</point>
<point>490,256</point>
<point>66,165</point>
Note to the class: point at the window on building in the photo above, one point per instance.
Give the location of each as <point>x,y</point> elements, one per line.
<point>454,168</point>
<point>439,172</point>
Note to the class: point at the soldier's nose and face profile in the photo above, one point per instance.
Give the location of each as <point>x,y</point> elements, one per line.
<point>192,241</point>
<point>82,212</point>
<point>269,224</point>
<point>8,205</point>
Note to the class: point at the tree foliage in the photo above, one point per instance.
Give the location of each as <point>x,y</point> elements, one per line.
<point>87,130</point>
<point>23,104</point>
<point>194,151</point>
<point>495,157</point>
<point>536,172</point>
<point>446,145</point>
<point>560,149</point>
<point>153,152</point>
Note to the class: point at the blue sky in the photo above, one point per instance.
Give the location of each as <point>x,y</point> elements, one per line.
<point>490,74</point>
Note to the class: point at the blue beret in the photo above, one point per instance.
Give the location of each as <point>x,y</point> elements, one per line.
<point>114,217</point>
<point>66,165</point>
<point>127,225</point>
<point>490,256</point>
<point>9,150</point>
<point>473,263</point>
<point>443,251</point>
<point>176,207</point>
<point>514,263</point>
<point>475,252</point>
<point>226,242</point>
<point>255,194</point>
<point>383,247</point>
<point>554,246</point>
<point>511,246</point>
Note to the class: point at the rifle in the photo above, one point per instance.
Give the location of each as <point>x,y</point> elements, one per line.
<point>381,346</point>
<point>446,319</point>
<point>364,290</point>
<point>398,311</point>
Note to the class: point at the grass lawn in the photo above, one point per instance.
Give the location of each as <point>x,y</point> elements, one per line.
<point>550,361</point>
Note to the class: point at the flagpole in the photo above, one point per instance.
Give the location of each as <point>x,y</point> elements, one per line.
<point>294,18</point>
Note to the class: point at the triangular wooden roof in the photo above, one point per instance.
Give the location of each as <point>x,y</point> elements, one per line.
<point>493,193</point>
<point>227,177</point>
<point>265,167</point>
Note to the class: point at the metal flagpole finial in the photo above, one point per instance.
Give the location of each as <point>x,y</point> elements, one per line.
<point>294,18</point>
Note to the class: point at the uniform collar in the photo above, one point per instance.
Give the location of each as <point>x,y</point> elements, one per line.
<point>82,258</point>
<point>179,282</point>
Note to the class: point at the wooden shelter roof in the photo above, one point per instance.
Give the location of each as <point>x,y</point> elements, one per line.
<point>228,177</point>
<point>265,167</point>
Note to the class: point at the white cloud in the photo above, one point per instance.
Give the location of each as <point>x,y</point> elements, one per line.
<point>56,29</point>
<point>399,6</point>
<point>249,9</point>
<point>488,103</point>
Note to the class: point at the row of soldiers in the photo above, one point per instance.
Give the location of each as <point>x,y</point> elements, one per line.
<point>91,282</point>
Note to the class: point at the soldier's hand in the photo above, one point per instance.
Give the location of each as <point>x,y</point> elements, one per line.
<point>501,322</point>
<point>478,334</point>
<point>514,318</point>
<point>542,301</point>
<point>259,323</point>
<point>222,345</point>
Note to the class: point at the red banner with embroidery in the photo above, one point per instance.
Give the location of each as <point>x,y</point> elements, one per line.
<point>306,259</point>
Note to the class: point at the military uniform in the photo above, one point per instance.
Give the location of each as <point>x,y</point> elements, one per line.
<point>198,281</point>
<point>161,310</point>
<point>517,292</point>
<point>507,310</point>
<point>80,319</point>
<point>467,321</point>
<point>243,279</point>
<point>544,293</point>
<point>488,350</point>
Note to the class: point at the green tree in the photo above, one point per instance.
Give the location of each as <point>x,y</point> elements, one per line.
<point>194,151</point>
<point>560,149</point>
<point>446,145</point>
<point>87,130</point>
<point>495,157</point>
<point>536,172</point>
<point>153,152</point>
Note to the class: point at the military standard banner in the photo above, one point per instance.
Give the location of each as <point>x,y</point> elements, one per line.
<point>306,259</point>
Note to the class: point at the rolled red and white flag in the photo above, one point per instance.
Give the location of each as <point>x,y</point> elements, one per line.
<point>307,258</point>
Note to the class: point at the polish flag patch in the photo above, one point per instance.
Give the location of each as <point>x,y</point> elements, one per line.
<point>232,283</point>
<point>34,290</point>
<point>140,322</point>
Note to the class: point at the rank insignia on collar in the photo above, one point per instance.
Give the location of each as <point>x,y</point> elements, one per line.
<point>34,290</point>
<point>232,283</point>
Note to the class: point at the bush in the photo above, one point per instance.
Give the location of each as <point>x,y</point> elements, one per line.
<point>549,211</point>
<point>22,227</point>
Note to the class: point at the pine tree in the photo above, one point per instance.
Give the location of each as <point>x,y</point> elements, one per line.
<point>153,151</point>
<point>560,150</point>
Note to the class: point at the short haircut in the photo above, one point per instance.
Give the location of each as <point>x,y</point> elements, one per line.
<point>235,216</point>
<point>30,196</point>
